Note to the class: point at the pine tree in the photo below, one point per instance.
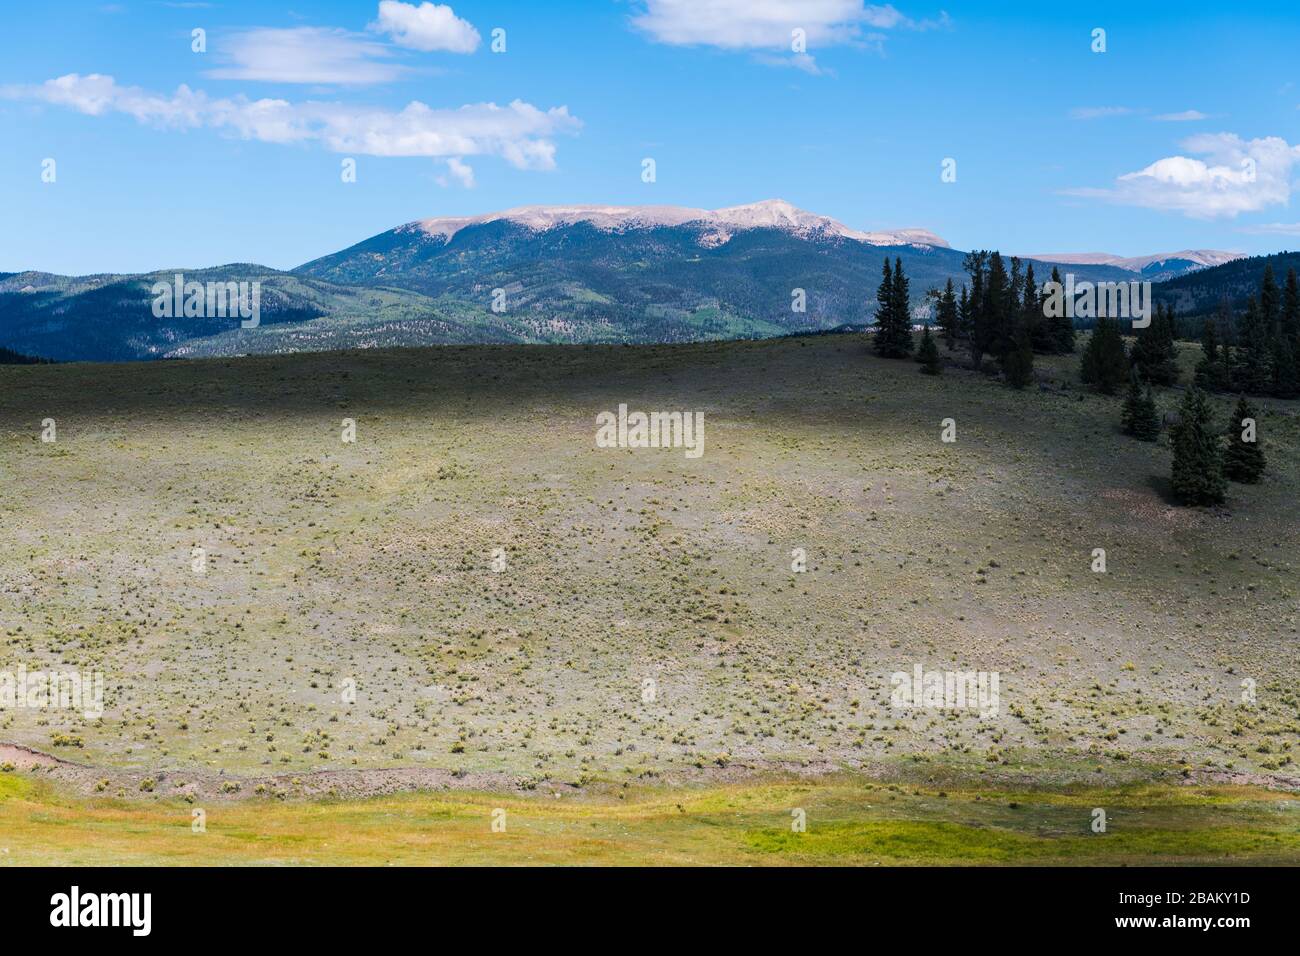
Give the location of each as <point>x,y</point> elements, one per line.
<point>1270,302</point>
<point>998,303</point>
<point>1031,308</point>
<point>1291,309</point>
<point>1289,380</point>
<point>1154,354</point>
<point>964,316</point>
<point>1104,362</point>
<point>1062,325</point>
<point>1285,384</point>
<point>1255,363</point>
<point>946,315</point>
<point>976,338</point>
<point>1018,361</point>
<point>1211,374</point>
<point>884,303</point>
<point>894,314</point>
<point>902,309</point>
<point>1226,326</point>
<point>1041,330</point>
<point>1168,354</point>
<point>1139,417</point>
<point>1197,473</point>
<point>1244,459</point>
<point>928,354</point>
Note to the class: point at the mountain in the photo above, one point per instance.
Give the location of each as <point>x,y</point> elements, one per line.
<point>576,274</point>
<point>715,227</point>
<point>1198,294</point>
<point>654,273</point>
<point>110,317</point>
<point>645,273</point>
<point>1156,268</point>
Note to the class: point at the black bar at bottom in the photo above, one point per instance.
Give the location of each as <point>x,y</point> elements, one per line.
<point>531,905</point>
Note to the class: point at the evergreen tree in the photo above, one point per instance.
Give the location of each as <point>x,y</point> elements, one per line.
<point>1197,474</point>
<point>1104,362</point>
<point>1290,331</point>
<point>1154,354</point>
<point>1211,374</point>
<point>1285,384</point>
<point>1018,361</point>
<point>1062,325</point>
<point>1040,331</point>
<point>1291,309</point>
<point>977,337</point>
<point>902,307</point>
<point>1015,302</point>
<point>1140,418</point>
<point>1226,327</point>
<point>946,316</point>
<point>1270,302</point>
<point>928,353</point>
<point>998,303</point>
<point>965,317</point>
<point>1244,460</point>
<point>1256,354</point>
<point>884,305</point>
<point>894,316</point>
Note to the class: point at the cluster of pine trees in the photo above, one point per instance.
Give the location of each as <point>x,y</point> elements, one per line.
<point>1106,362</point>
<point>1000,314</point>
<point>893,314</point>
<point>1257,352</point>
<point>10,357</point>
<point>1203,462</point>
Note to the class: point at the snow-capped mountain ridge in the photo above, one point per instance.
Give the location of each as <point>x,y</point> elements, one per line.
<point>1202,257</point>
<point>716,226</point>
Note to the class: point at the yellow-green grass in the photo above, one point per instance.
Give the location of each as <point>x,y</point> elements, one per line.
<point>848,822</point>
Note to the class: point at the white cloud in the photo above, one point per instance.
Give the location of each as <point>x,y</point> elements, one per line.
<point>1098,112</point>
<point>430,26</point>
<point>1186,116</point>
<point>1235,176</point>
<point>305,55</point>
<point>768,25</point>
<point>520,133</point>
<point>1273,229</point>
<point>460,171</point>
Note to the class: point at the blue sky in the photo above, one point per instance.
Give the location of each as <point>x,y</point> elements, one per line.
<point>1182,134</point>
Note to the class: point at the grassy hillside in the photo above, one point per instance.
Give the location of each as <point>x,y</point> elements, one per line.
<point>110,317</point>
<point>372,563</point>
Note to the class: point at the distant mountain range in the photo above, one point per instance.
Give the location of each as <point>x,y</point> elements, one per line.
<point>1198,294</point>
<point>611,274</point>
<point>1157,268</point>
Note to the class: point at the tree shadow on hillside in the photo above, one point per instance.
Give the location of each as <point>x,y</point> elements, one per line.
<point>1164,487</point>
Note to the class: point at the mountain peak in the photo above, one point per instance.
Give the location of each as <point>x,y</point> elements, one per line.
<point>716,226</point>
